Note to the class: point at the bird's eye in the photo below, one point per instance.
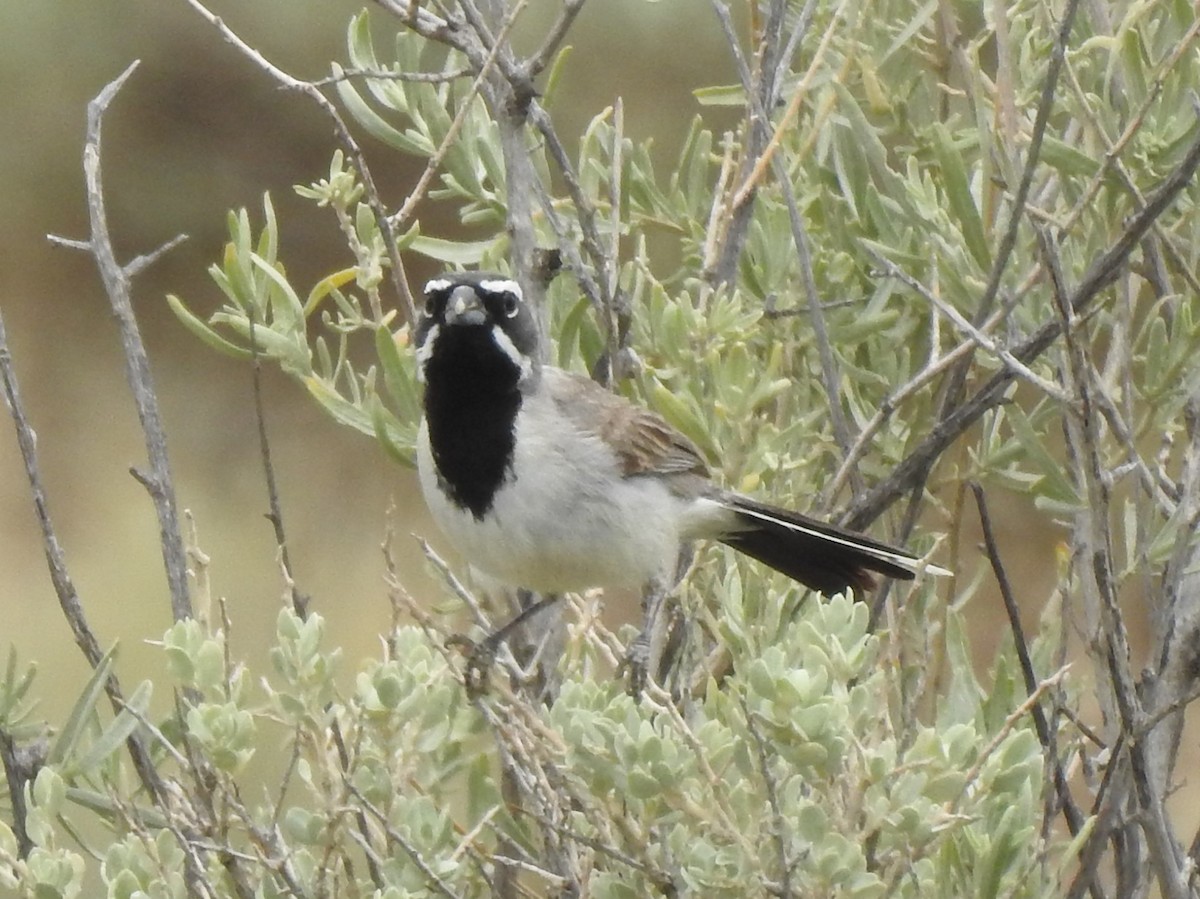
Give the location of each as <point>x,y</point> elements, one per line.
<point>430,304</point>
<point>511,306</point>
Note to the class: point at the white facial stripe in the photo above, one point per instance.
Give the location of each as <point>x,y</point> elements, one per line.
<point>424,351</point>
<point>510,350</point>
<point>437,285</point>
<point>501,285</point>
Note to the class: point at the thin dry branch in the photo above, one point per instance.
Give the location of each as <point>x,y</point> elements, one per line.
<point>1049,90</point>
<point>1010,724</point>
<point>64,586</point>
<point>598,294</point>
<point>554,37</point>
<point>912,471</point>
<point>770,159</point>
<point>345,138</point>
<point>779,824</point>
<point>419,192</point>
<point>386,75</point>
<point>1046,737</point>
<point>434,882</point>
<point>975,335</point>
<point>275,513</point>
<point>60,577</point>
<point>117,280</point>
<point>763,82</point>
<point>1150,772</point>
<point>830,373</point>
<point>21,764</point>
<point>957,378</point>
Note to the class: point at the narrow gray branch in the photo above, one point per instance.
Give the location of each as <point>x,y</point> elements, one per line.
<point>345,138</point>
<point>60,577</point>
<point>830,372</point>
<point>555,37</point>
<point>1099,275</point>
<point>117,284</point>
<point>1009,241</point>
<point>21,765</point>
<point>755,140</point>
<point>957,377</point>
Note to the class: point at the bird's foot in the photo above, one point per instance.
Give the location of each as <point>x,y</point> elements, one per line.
<point>480,657</point>
<point>636,666</point>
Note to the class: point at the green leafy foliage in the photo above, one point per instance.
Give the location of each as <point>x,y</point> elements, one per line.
<point>806,725</point>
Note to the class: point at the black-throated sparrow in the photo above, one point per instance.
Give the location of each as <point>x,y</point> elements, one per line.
<point>544,480</point>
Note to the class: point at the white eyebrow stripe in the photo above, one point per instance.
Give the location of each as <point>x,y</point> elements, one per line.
<point>501,285</point>
<point>437,285</point>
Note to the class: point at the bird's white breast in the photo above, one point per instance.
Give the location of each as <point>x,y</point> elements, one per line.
<point>566,518</point>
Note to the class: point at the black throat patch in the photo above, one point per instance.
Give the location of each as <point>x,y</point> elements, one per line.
<point>471,404</point>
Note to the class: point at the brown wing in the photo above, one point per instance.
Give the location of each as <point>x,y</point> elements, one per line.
<point>642,440</point>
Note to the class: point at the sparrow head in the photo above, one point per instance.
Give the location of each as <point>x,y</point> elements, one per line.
<point>476,314</point>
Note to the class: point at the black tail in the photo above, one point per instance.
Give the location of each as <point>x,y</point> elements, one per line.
<point>821,556</point>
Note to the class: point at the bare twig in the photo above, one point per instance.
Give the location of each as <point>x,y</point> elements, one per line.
<point>1047,738</point>
<point>1112,155</point>
<point>458,587</point>
<point>1010,724</point>
<point>779,825</point>
<point>21,764</point>
<point>598,294</point>
<point>554,38</point>
<point>432,880</point>
<point>616,318</point>
<point>271,847</point>
<point>1101,273</point>
<point>1149,772</point>
<point>64,586</point>
<point>957,377</point>
<point>888,407</point>
<point>509,93</point>
<point>1172,685</point>
<point>770,159</point>
<point>769,155</point>
<point>386,75</point>
<point>975,335</point>
<point>1049,88</point>
<point>830,373</point>
<point>762,83</point>
<point>345,138</point>
<point>653,873</point>
<point>1104,812</point>
<point>117,278</point>
<point>275,513</point>
<point>420,190</point>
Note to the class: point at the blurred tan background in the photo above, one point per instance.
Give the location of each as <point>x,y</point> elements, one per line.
<point>196,131</point>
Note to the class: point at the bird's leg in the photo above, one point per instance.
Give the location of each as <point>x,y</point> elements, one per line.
<point>645,653</point>
<point>538,647</point>
<point>674,644</point>
<point>674,628</point>
<point>481,655</point>
<point>658,646</point>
